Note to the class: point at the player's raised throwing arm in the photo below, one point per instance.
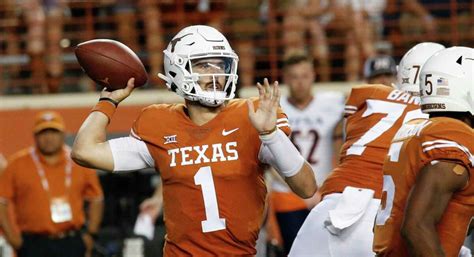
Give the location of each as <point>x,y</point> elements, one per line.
<point>278,150</point>
<point>90,147</point>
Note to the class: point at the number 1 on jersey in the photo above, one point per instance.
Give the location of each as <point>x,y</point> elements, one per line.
<point>204,178</point>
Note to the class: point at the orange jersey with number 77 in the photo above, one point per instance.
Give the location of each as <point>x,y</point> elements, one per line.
<point>213,186</point>
<point>373,113</point>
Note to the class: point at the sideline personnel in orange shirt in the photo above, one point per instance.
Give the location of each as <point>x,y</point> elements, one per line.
<point>47,190</point>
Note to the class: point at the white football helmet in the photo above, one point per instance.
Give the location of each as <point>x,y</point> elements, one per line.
<point>408,73</point>
<point>447,81</point>
<point>193,44</point>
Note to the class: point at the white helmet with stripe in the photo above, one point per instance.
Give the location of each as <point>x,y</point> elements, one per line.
<point>408,72</point>
<point>192,48</point>
<point>447,81</point>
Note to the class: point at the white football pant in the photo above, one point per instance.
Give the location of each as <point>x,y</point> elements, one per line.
<point>315,240</point>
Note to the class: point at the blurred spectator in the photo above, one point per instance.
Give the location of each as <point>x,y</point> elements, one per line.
<point>299,18</point>
<point>351,21</point>
<point>408,21</point>
<point>47,191</point>
<point>125,14</point>
<point>244,25</point>
<point>44,19</point>
<point>380,70</point>
<point>151,15</point>
<point>453,20</point>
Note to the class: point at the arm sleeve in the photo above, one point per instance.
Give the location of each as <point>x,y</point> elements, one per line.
<point>281,154</point>
<point>130,153</point>
<point>93,190</point>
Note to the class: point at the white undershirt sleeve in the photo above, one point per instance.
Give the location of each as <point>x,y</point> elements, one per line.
<point>130,153</point>
<point>278,151</point>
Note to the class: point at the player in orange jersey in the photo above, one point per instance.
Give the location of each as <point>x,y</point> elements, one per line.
<point>341,225</point>
<point>428,178</point>
<point>211,151</point>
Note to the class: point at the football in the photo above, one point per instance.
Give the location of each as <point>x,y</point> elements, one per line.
<point>110,63</point>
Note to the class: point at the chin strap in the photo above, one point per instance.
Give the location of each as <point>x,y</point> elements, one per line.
<point>165,78</point>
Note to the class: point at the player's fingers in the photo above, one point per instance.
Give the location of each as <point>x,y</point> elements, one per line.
<point>268,90</point>
<point>261,91</point>
<point>130,85</point>
<point>276,94</point>
<point>275,89</point>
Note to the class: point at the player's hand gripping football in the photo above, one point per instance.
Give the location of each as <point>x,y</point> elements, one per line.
<point>120,94</point>
<point>264,118</point>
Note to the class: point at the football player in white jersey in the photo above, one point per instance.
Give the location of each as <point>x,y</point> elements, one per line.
<point>313,119</point>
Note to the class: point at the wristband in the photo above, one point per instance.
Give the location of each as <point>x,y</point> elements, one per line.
<point>106,106</point>
<point>267,132</point>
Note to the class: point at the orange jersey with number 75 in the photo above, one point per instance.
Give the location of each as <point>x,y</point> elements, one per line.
<point>415,145</point>
<point>213,186</point>
<point>373,113</point>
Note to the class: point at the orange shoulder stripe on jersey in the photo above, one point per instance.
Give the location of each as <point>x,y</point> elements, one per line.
<point>282,122</point>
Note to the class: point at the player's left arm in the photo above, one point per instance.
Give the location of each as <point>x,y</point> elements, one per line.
<point>281,153</point>
<point>426,204</point>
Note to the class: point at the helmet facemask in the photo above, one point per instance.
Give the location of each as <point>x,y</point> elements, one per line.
<point>211,80</point>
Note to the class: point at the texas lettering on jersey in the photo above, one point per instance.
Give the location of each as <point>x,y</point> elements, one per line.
<point>213,186</point>
<point>374,114</point>
<point>205,154</point>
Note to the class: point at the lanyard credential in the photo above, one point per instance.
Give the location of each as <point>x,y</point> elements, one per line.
<point>41,173</point>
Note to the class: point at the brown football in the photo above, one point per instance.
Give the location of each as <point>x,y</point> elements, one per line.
<point>110,63</point>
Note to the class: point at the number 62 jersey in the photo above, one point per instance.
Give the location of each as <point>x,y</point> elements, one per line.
<point>213,186</point>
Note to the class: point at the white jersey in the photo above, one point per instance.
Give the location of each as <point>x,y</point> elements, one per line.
<point>313,129</point>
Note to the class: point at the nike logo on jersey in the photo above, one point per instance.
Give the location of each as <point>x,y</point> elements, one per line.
<point>198,154</point>
<point>226,133</point>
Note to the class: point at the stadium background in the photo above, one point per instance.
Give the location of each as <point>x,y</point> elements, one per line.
<point>38,70</point>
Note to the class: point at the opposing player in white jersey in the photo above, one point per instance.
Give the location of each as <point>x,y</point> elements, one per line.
<point>341,225</point>
<point>313,119</point>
